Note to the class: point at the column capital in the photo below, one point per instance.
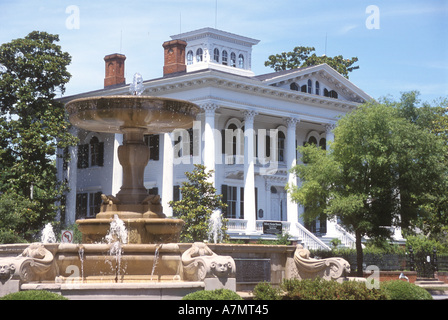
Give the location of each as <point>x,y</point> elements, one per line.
<point>209,108</point>
<point>291,122</point>
<point>249,114</point>
<point>329,127</point>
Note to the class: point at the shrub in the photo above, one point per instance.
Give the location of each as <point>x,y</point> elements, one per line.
<point>217,294</point>
<point>402,290</point>
<point>33,295</point>
<point>265,291</point>
<point>318,289</point>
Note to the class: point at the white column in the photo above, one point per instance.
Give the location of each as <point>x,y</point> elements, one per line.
<point>331,224</point>
<point>117,169</point>
<point>209,139</point>
<point>72,178</point>
<point>329,133</point>
<point>249,173</point>
<point>292,211</point>
<point>168,175</point>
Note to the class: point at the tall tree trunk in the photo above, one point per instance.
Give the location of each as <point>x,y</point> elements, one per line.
<point>359,254</point>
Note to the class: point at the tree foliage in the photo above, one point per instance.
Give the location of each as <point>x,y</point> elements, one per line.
<point>32,126</point>
<point>380,171</point>
<point>199,200</point>
<point>302,57</point>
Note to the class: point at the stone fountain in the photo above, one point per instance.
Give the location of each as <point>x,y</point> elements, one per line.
<point>149,260</point>
<point>133,116</point>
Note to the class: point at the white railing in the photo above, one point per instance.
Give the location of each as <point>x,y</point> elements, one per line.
<point>310,241</point>
<point>236,225</point>
<point>347,239</point>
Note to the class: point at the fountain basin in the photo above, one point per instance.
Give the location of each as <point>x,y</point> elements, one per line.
<point>112,114</point>
<point>140,230</point>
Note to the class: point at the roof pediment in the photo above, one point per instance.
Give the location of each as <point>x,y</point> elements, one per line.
<point>323,73</point>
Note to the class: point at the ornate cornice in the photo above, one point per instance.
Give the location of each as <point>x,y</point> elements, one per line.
<point>248,86</point>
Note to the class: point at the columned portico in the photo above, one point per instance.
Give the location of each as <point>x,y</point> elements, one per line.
<point>291,207</point>
<point>249,171</point>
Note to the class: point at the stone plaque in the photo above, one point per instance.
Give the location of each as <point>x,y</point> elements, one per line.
<point>253,270</point>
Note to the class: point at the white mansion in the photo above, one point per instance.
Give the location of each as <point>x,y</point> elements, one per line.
<point>247,133</point>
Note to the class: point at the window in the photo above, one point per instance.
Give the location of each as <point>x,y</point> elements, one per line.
<point>303,88</point>
<point>199,55</point>
<point>96,152</point>
<point>323,143</point>
<point>310,86</point>
<point>216,54</point>
<point>281,146</point>
<point>184,142</point>
<point>229,196</point>
<point>153,141</point>
<point>317,88</point>
<point>94,203</point>
<point>190,57</point>
<point>88,205</point>
<point>233,59</point>
<point>333,94</point>
<point>91,154</point>
<point>83,156</point>
<point>330,94</point>
<point>232,146</point>
<point>294,86</point>
<point>241,61</point>
<point>224,57</point>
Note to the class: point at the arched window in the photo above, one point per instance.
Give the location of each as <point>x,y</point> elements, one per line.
<point>233,59</point>
<point>333,94</point>
<point>323,143</point>
<point>199,55</point>
<point>224,57</point>
<point>216,55</point>
<point>317,88</point>
<point>312,140</point>
<point>190,57</point>
<point>294,86</point>
<point>326,92</point>
<point>310,86</point>
<point>241,61</point>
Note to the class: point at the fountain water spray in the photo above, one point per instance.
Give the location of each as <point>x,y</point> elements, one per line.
<point>156,259</point>
<point>137,88</point>
<point>48,234</point>
<point>215,229</point>
<point>81,258</point>
<point>117,236</point>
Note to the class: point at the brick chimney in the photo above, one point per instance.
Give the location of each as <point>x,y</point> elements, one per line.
<point>174,57</point>
<point>114,69</point>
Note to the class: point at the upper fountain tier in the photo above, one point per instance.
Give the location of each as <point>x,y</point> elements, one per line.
<point>116,114</point>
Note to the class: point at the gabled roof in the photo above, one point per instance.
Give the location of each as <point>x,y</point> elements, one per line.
<point>323,71</point>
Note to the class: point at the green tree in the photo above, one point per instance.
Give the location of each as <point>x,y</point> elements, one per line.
<point>378,172</point>
<point>32,126</point>
<point>199,200</point>
<point>433,218</point>
<point>302,57</point>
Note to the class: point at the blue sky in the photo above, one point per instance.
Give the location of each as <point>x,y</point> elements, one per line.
<point>409,50</point>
